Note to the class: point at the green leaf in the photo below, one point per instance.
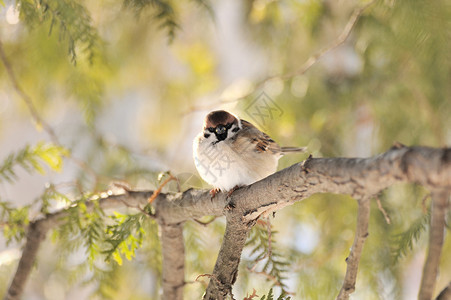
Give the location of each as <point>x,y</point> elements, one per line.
<point>51,154</point>
<point>124,237</point>
<point>69,18</point>
<point>162,10</point>
<point>14,221</point>
<point>404,241</point>
<point>117,258</point>
<point>272,261</point>
<point>32,159</point>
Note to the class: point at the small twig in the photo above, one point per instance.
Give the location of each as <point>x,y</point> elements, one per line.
<point>33,111</point>
<point>423,203</point>
<point>205,223</point>
<point>344,35</point>
<point>210,276</point>
<point>127,190</point>
<point>268,276</point>
<point>35,114</point>
<point>383,211</point>
<point>251,296</point>
<point>158,190</point>
<point>338,42</point>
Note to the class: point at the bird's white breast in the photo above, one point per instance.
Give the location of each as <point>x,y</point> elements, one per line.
<point>224,168</point>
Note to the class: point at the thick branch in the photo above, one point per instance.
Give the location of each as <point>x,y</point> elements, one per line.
<point>363,216</point>
<point>173,261</point>
<point>36,234</point>
<point>436,236</point>
<point>358,177</point>
<point>226,267</point>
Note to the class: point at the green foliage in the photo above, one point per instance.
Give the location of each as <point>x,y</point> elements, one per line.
<point>124,237</point>
<point>270,296</point>
<point>32,159</point>
<point>163,12</point>
<point>13,221</point>
<point>70,18</point>
<point>400,53</point>
<point>93,232</point>
<point>51,195</point>
<point>404,242</point>
<point>263,247</point>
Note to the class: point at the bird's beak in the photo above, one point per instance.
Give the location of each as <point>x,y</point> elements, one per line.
<point>220,129</point>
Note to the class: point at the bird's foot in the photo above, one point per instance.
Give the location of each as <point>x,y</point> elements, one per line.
<point>231,204</point>
<point>232,190</point>
<point>213,192</point>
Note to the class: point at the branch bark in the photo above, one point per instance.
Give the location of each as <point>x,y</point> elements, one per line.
<point>436,237</point>
<point>226,267</point>
<point>358,177</point>
<point>173,251</point>
<point>35,235</point>
<point>363,216</point>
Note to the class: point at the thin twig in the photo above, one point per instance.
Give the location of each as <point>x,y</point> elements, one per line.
<point>27,100</point>
<point>158,190</point>
<point>423,203</point>
<point>35,114</point>
<point>205,223</point>
<point>251,296</point>
<point>338,42</point>
<point>344,35</point>
<point>383,211</point>
<point>210,276</point>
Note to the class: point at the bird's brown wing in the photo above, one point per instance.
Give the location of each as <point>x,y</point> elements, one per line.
<point>251,136</point>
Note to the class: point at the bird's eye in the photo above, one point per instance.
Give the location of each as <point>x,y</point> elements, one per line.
<point>211,129</point>
<point>220,129</point>
<point>228,126</point>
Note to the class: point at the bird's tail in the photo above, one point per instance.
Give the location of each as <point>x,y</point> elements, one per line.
<point>293,149</point>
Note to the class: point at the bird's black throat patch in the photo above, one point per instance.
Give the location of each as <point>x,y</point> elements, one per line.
<point>222,136</point>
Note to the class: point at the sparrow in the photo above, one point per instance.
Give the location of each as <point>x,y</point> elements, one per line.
<point>230,152</point>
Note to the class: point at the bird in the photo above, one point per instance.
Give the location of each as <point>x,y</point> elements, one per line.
<point>230,152</point>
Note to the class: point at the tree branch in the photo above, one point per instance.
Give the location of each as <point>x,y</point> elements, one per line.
<point>358,177</point>
<point>26,99</point>
<point>35,114</point>
<point>226,267</point>
<point>363,217</point>
<point>344,35</point>
<point>35,235</point>
<point>173,251</point>
<point>436,237</point>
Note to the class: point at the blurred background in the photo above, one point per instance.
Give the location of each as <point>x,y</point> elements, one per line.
<point>125,86</point>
